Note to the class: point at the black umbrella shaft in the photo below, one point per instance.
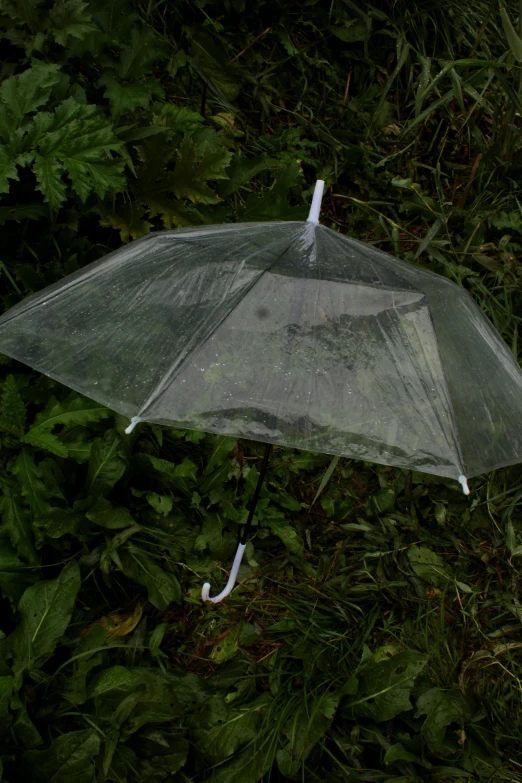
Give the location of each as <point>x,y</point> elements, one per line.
<point>246,530</point>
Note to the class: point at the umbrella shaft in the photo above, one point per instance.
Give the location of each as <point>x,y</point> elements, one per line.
<point>246,530</point>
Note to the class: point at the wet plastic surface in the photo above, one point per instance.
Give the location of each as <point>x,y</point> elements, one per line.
<point>286,333</point>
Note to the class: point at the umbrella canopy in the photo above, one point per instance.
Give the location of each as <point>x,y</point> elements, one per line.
<point>287,333</point>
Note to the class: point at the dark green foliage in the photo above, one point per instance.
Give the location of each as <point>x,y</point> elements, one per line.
<point>375,631</point>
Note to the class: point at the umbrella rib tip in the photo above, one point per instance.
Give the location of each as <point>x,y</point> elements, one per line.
<point>464,484</point>
<point>135,420</point>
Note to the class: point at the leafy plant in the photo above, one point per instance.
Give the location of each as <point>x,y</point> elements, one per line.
<point>374,631</point>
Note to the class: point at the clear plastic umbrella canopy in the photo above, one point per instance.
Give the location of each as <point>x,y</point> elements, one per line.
<point>287,333</point>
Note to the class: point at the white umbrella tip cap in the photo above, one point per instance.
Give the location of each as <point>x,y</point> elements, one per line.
<point>464,484</point>
<point>315,208</point>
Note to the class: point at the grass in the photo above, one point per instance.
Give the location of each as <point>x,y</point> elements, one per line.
<point>411,112</point>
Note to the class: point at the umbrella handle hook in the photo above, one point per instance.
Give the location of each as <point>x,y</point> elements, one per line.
<point>205,592</point>
<point>231,579</point>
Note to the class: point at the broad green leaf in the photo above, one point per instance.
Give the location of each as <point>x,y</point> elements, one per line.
<point>20,95</point>
<point>129,96</point>
<point>221,446</point>
<point>385,685</point>
<point>162,504</point>
<point>15,576</point>
<point>399,753</point>
<point>109,516</point>
<point>286,533</point>
<point>143,49</point>
<point>242,170</point>
<point>169,763</point>
<point>221,731</point>
<point>310,720</point>
<point>25,10</point>
<point>8,168</point>
<point>45,611</point>
<point>13,410</point>
<point>114,678</point>
<point>16,522</point>
<point>60,522</point>
<point>163,587</point>
<point>273,203</point>
<point>178,119</point>
<point>70,758</point>
<point>32,487</point>
<point>211,535</point>
<point>428,565</point>
<point>23,727</point>
<point>48,172</point>
<point>43,439</point>
<point>69,17</point>
<point>74,410</point>
<point>441,708</point>
<point>200,158</point>
<point>351,31</point>
<point>106,463</point>
<point>79,140</point>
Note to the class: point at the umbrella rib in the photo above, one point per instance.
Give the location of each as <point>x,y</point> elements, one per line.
<point>174,372</point>
<point>450,403</point>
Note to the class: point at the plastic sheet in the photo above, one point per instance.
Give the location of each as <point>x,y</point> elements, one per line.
<point>286,333</point>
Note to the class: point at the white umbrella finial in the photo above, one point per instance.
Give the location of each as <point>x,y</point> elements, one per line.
<point>315,209</point>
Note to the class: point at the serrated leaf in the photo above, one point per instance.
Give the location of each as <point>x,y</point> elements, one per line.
<point>68,759</point>
<point>69,17</point>
<point>106,463</point>
<point>13,410</point>
<point>128,96</point>
<point>45,611</point>
<point>8,168</point>
<point>32,487</point>
<point>42,439</point>
<point>48,172</point>
<point>163,587</point>
<point>77,139</point>
<point>72,411</point>
<point>179,119</point>
<point>144,48</point>
<point>25,93</point>
<point>16,522</point>
<point>199,159</point>
<point>242,170</point>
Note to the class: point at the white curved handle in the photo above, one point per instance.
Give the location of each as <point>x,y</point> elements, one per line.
<point>231,579</point>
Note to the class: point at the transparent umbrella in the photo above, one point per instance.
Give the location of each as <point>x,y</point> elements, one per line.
<point>287,333</point>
